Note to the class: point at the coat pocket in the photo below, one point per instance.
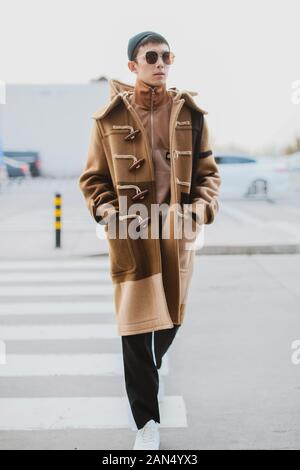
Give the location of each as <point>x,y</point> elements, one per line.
<point>120,252</point>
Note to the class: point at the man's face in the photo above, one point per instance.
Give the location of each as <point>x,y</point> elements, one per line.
<point>149,72</point>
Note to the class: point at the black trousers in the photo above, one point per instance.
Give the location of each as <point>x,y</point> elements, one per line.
<point>142,357</point>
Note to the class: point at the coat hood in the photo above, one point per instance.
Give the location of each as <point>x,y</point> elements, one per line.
<point>118,90</point>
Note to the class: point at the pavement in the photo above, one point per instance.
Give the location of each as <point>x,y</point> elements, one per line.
<point>232,375</point>
<point>27,221</point>
<point>241,226</point>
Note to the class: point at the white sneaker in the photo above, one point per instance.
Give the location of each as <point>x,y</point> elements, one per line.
<point>147,438</point>
<point>161,388</point>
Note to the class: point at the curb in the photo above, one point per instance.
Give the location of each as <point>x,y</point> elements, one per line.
<point>249,250</point>
<point>239,250</point>
<point>207,250</point>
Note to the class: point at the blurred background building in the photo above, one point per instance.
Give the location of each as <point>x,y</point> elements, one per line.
<point>53,120</point>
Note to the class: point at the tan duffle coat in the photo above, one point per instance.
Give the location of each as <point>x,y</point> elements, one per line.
<point>151,273</point>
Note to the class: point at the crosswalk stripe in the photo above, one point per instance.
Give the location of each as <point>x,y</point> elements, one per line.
<point>58,332</point>
<point>66,276</point>
<point>101,262</point>
<point>56,308</point>
<point>33,365</point>
<point>67,290</point>
<point>32,414</point>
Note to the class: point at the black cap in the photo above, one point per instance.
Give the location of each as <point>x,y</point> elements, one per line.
<point>135,40</point>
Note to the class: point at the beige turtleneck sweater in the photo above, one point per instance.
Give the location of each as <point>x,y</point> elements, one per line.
<point>162,102</point>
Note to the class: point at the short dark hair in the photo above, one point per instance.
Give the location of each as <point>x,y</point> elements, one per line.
<point>153,38</point>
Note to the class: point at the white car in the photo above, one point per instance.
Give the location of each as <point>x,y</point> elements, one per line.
<point>3,173</point>
<point>244,176</point>
<point>293,162</point>
<point>3,170</point>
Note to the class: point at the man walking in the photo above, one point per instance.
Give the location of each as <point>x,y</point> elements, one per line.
<point>149,149</point>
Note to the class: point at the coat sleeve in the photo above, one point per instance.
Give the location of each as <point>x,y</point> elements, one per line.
<point>207,182</point>
<point>95,181</point>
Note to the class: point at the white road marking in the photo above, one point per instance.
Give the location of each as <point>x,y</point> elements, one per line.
<point>34,414</point>
<point>42,365</point>
<point>101,262</point>
<point>58,332</point>
<point>56,308</point>
<point>66,412</point>
<point>66,276</point>
<point>48,291</point>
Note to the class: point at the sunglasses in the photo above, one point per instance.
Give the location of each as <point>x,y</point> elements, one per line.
<point>152,57</point>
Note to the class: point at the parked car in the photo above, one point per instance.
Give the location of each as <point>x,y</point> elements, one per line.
<point>293,162</point>
<point>3,170</point>
<point>250,176</point>
<point>16,169</point>
<point>31,158</point>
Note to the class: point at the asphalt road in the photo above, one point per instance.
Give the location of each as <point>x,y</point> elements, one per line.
<point>229,377</point>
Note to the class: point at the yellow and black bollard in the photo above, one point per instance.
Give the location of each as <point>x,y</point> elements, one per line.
<point>57,203</point>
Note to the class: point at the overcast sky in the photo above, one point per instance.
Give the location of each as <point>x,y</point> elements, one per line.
<point>242,57</point>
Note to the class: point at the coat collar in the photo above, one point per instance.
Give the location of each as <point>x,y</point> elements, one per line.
<point>119,91</point>
<point>142,95</point>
